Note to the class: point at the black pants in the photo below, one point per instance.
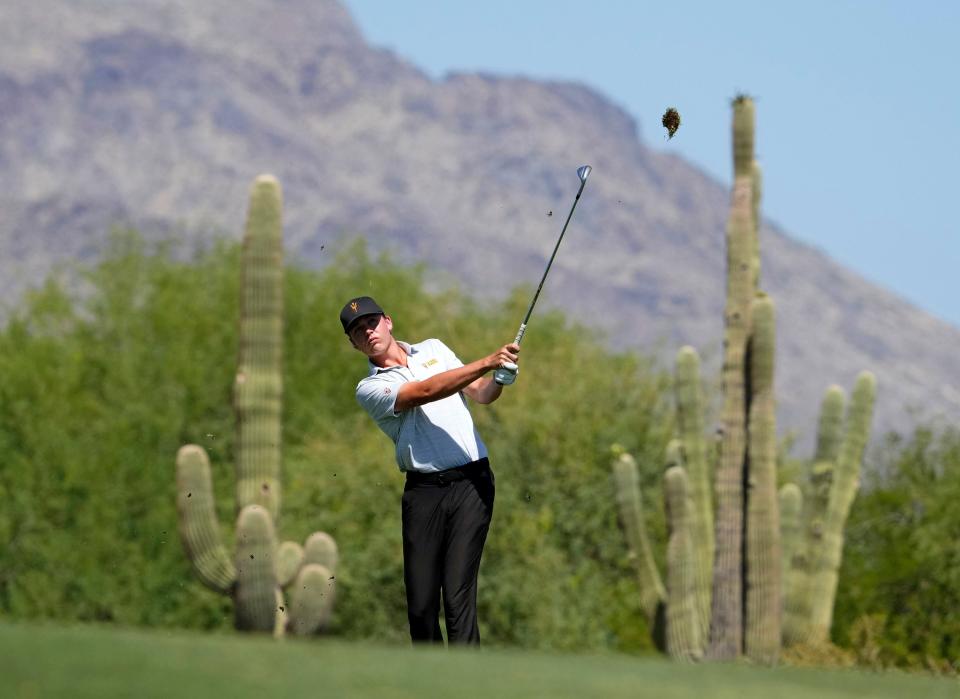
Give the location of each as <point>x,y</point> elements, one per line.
<point>445,521</point>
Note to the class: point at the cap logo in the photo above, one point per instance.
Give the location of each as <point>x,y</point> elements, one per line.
<point>354,306</point>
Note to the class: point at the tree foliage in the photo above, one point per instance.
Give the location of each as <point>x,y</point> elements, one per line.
<point>899,602</point>
<point>100,387</point>
<point>99,390</point>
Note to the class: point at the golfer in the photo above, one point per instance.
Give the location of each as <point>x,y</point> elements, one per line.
<point>415,393</point>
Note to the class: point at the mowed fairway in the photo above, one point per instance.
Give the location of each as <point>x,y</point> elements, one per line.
<point>86,661</point>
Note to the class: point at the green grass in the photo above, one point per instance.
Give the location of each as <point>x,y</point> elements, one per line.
<point>97,661</point>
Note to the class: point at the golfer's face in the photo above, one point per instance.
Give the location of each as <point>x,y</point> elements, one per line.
<point>371,334</point>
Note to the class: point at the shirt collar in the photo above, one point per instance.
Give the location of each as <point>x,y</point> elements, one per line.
<point>374,369</point>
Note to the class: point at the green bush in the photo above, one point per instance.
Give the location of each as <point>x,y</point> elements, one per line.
<point>100,389</point>
<point>899,599</point>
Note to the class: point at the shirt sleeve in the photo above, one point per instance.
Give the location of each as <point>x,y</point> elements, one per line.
<point>378,395</point>
<point>450,360</point>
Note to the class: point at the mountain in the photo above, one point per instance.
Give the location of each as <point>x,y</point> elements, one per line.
<point>159,114</point>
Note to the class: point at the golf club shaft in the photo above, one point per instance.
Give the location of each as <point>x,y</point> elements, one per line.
<point>533,302</point>
<point>507,373</point>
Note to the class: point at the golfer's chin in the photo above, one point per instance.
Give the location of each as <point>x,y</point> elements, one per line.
<point>375,349</point>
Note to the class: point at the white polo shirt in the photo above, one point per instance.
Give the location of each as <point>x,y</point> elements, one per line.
<point>430,437</point>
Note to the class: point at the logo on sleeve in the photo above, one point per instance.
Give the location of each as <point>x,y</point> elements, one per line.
<point>386,391</point>
<point>427,365</point>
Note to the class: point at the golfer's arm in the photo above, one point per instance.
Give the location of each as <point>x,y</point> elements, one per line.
<point>414,393</point>
<point>484,390</point>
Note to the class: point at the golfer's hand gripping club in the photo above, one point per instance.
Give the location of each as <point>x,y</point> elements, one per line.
<point>507,373</point>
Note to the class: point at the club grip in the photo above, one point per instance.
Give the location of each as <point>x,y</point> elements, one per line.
<point>506,374</point>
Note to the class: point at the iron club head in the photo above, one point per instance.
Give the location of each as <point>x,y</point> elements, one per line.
<point>583,172</point>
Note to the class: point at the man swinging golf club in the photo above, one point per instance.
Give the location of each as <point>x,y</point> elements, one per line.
<point>415,393</point>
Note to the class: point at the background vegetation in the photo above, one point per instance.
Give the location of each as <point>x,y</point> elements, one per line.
<point>99,389</point>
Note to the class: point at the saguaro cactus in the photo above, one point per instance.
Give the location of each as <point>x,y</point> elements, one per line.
<point>763,561</point>
<point>726,632</point>
<point>846,482</point>
<point>831,486</point>
<point>259,568</point>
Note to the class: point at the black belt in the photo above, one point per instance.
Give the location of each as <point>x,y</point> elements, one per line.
<point>459,473</point>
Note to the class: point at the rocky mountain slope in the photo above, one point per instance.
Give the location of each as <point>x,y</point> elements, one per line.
<point>159,114</point>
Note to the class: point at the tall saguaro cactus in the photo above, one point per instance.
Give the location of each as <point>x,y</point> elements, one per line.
<point>254,576</point>
<point>726,631</point>
<point>767,567</point>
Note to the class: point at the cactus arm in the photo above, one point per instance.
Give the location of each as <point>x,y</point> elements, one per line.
<point>255,597</point>
<point>311,599</point>
<point>683,629</point>
<point>791,540</point>
<point>762,580</point>
<point>197,520</point>
<point>830,424</point>
<point>757,193</point>
<point>289,559</point>
<point>690,423</point>
<point>627,481</point>
<point>321,548</point>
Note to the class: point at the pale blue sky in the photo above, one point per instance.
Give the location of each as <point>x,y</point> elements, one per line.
<point>858,104</point>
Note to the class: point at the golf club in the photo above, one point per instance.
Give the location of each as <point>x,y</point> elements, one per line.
<point>507,373</point>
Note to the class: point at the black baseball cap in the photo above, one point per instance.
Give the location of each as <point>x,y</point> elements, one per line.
<point>357,308</point>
